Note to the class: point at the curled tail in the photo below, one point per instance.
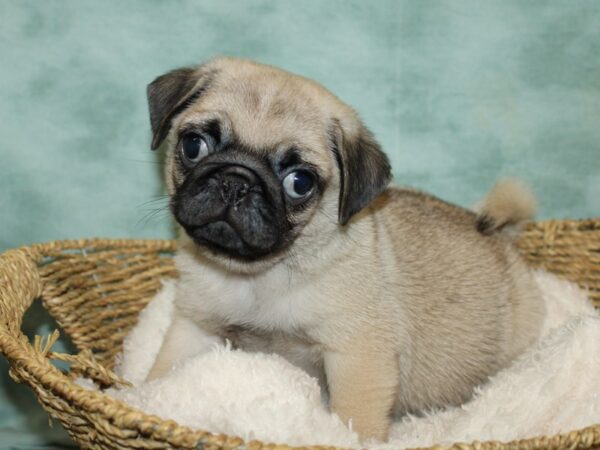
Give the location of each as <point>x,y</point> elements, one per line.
<point>507,208</point>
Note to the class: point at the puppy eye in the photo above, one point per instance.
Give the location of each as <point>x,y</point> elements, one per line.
<point>298,184</point>
<point>193,149</point>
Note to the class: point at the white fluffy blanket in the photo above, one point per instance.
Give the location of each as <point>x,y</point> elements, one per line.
<point>552,388</point>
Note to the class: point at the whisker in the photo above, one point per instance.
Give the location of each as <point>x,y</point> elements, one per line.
<point>157,199</point>
<point>156,213</point>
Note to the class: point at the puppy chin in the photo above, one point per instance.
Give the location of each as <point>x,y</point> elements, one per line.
<point>214,257</point>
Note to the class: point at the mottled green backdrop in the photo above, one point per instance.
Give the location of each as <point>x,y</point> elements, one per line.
<point>458,92</point>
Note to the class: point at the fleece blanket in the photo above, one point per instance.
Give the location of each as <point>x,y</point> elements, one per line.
<point>550,389</point>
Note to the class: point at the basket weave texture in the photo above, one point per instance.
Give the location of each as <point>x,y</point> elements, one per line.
<point>96,288</point>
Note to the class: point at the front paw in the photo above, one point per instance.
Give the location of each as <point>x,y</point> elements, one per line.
<point>367,426</point>
<point>362,391</point>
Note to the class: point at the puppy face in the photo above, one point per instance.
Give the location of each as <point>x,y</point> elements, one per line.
<point>260,161</point>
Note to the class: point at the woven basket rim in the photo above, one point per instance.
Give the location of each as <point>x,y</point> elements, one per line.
<point>21,353</point>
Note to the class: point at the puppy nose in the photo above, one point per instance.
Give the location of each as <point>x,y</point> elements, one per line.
<point>236,182</point>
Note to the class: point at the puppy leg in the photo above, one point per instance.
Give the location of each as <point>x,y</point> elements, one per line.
<point>183,339</point>
<point>362,388</point>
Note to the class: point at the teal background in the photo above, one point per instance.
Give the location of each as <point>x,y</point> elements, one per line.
<point>458,93</point>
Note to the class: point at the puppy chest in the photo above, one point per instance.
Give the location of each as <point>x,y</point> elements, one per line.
<point>253,305</point>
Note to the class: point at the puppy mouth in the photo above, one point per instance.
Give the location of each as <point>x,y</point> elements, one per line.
<point>221,236</point>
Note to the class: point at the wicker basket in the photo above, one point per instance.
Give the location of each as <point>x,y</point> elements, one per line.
<point>95,289</point>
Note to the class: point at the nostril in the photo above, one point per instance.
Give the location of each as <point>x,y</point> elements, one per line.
<point>203,184</point>
<point>233,189</point>
<point>243,189</point>
<point>225,186</point>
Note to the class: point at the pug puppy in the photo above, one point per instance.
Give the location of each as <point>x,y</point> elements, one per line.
<point>292,242</point>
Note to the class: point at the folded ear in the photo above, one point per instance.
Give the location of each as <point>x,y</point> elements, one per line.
<point>170,94</point>
<point>364,169</point>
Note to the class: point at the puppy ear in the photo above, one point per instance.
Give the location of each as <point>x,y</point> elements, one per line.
<point>168,95</point>
<point>364,169</point>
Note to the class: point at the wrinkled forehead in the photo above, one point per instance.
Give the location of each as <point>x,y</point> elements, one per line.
<point>261,112</point>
